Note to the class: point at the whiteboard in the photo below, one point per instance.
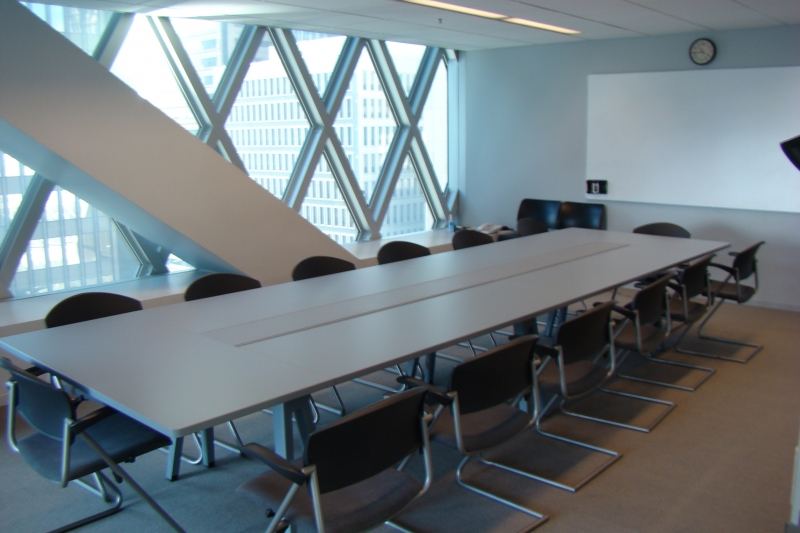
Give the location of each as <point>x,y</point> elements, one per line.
<point>699,138</point>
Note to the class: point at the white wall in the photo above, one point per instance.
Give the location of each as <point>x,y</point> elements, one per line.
<point>65,116</point>
<point>526,124</point>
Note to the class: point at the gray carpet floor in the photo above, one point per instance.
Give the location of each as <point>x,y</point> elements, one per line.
<point>720,461</point>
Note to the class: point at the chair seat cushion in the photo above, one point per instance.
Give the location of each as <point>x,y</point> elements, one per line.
<point>728,291</point>
<point>652,337</point>
<point>483,429</point>
<point>121,437</point>
<point>581,377</point>
<point>695,310</point>
<point>358,507</point>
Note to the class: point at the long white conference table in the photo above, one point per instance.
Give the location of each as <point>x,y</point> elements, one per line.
<point>185,368</point>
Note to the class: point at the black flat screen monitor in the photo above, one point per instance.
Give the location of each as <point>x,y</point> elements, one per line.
<point>792,150</point>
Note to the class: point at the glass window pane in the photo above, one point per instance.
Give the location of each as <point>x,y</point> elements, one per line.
<point>320,53</point>
<point>433,125</point>
<point>406,58</point>
<point>14,181</point>
<point>408,210</point>
<point>267,124</point>
<point>324,208</point>
<point>142,65</point>
<point>69,251</point>
<point>366,133</point>
<point>176,264</point>
<point>209,45</point>
<point>84,27</point>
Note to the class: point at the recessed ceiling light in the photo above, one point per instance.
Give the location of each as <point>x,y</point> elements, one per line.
<point>489,15</point>
<point>457,9</point>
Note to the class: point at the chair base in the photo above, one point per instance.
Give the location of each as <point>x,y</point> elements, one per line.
<point>643,429</point>
<point>102,482</point>
<point>540,518</point>
<point>709,372</point>
<point>745,359</point>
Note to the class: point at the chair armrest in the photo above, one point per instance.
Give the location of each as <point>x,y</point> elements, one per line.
<point>627,313</point>
<point>729,270</point>
<point>544,350</point>
<point>85,422</point>
<point>35,371</point>
<point>433,395</point>
<point>275,462</point>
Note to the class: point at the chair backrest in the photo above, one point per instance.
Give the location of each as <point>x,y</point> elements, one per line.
<point>649,301</point>
<point>218,284</point>
<point>41,405</point>
<point>745,261</point>
<point>585,335</point>
<point>494,376</point>
<point>320,265</point>
<point>695,277</point>
<point>529,226</point>
<point>467,238</point>
<point>545,211</point>
<point>581,215</point>
<point>89,306</point>
<point>663,229</point>
<point>394,251</point>
<point>367,442</point>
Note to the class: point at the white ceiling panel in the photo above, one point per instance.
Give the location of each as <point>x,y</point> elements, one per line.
<point>396,20</point>
<point>712,14</point>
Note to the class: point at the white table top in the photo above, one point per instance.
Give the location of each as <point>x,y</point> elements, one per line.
<point>178,368</point>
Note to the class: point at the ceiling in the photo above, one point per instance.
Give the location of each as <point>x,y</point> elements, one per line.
<point>399,21</point>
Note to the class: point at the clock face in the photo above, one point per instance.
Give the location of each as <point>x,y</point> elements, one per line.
<point>702,51</point>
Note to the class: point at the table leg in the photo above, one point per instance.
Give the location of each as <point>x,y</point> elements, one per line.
<point>300,409</point>
<point>207,444</point>
<point>430,367</point>
<point>528,327</point>
<point>174,459</point>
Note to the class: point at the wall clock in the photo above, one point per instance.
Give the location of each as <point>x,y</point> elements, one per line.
<point>702,51</point>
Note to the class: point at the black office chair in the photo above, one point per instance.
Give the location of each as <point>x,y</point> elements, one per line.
<point>66,448</point>
<point>89,306</point>
<point>320,265</point>
<point>483,412</point>
<point>663,229</point>
<point>544,211</point>
<point>529,226</point>
<point>574,368</point>
<point>467,238</point>
<point>315,267</point>
<point>647,327</point>
<point>395,251</point>
<point>93,305</point>
<point>352,470</point>
<point>731,288</point>
<point>217,284</point>
<point>581,215</point>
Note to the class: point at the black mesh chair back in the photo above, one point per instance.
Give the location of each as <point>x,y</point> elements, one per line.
<point>663,229</point>
<point>694,278</point>
<point>367,442</point>
<point>320,265</point>
<point>42,406</point>
<point>745,261</point>
<point>585,335</point>
<point>467,238</point>
<point>529,226</point>
<point>581,215</point>
<point>649,301</point>
<point>545,211</point>
<point>395,251</point>
<point>495,376</point>
<point>218,284</point>
<point>89,306</point>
